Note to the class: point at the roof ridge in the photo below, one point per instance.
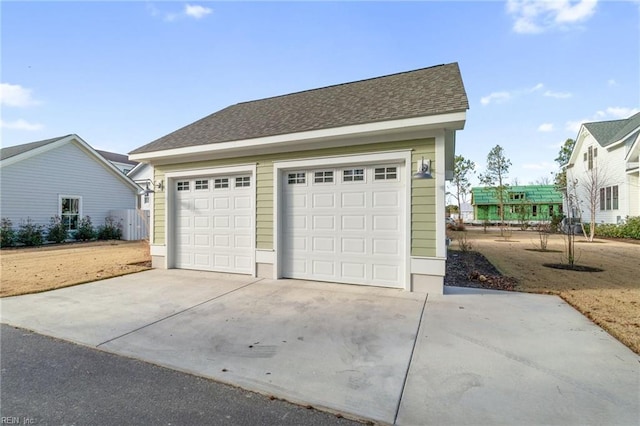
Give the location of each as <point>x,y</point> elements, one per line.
<point>344,84</point>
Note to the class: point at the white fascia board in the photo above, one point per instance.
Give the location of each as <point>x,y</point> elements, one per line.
<point>452,121</point>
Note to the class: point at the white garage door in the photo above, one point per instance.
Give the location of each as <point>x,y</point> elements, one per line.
<point>214,223</point>
<point>345,225</point>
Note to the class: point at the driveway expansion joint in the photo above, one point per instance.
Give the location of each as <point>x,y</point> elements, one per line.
<point>177,313</point>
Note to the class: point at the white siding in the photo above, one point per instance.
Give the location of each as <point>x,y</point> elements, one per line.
<point>31,188</point>
<point>611,168</point>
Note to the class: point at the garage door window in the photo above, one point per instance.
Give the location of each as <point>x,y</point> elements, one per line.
<point>386,173</point>
<point>323,177</point>
<point>183,185</point>
<point>243,181</point>
<point>296,178</point>
<point>353,175</point>
<point>201,184</point>
<point>221,183</point>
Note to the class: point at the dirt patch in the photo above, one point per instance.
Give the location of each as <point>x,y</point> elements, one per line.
<point>610,298</point>
<point>574,267</point>
<point>31,270</point>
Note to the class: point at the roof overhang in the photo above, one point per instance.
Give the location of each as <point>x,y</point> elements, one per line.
<point>394,130</point>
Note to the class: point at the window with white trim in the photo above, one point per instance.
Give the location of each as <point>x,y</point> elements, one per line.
<point>353,175</point>
<point>221,183</point>
<point>70,212</point>
<point>296,178</point>
<point>201,184</point>
<point>243,181</point>
<point>385,173</point>
<point>182,185</point>
<point>323,177</point>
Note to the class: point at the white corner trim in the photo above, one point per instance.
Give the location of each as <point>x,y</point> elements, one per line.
<point>453,120</point>
<point>265,256</point>
<point>428,266</point>
<point>158,250</point>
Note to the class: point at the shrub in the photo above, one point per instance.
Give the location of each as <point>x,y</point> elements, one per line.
<point>85,230</point>
<point>29,233</point>
<point>111,230</point>
<point>7,233</point>
<point>556,220</point>
<point>629,229</point>
<point>56,232</point>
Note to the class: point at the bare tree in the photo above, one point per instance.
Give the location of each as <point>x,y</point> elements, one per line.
<point>462,170</point>
<point>543,180</point>
<point>496,177</point>
<point>591,184</point>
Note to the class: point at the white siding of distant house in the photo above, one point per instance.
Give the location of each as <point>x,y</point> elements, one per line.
<point>32,187</point>
<point>611,167</point>
<point>143,175</point>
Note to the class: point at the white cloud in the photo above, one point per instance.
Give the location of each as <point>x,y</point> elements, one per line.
<point>536,16</point>
<point>497,97</point>
<point>611,113</point>
<point>20,124</point>
<point>14,95</point>
<point>506,95</point>
<point>196,11</point>
<point>544,165</point>
<point>545,127</point>
<point>557,95</point>
<point>189,11</point>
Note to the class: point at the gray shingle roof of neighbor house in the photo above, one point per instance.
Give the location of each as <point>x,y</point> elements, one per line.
<point>117,158</point>
<point>423,92</point>
<point>12,151</point>
<point>608,132</point>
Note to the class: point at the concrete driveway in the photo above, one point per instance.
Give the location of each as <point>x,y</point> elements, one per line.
<point>468,357</point>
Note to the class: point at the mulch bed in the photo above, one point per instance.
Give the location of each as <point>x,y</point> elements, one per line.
<point>472,269</point>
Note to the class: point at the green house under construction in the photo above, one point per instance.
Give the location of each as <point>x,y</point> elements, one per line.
<point>526,203</point>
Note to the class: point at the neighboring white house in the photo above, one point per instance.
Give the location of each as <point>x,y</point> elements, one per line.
<point>604,167</point>
<point>142,174</point>
<point>121,161</point>
<point>320,185</point>
<point>62,176</point>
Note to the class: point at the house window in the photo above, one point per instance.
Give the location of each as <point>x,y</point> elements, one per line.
<point>534,211</point>
<point>243,181</point>
<point>584,157</point>
<point>201,184</point>
<point>590,158</point>
<point>323,177</point>
<point>296,178</point>
<point>609,198</point>
<point>353,175</point>
<point>516,196</point>
<point>386,173</point>
<point>70,212</point>
<point>221,183</point>
<point>182,185</point>
<point>146,199</point>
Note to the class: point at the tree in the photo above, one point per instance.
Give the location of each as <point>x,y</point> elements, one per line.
<point>462,170</point>
<point>590,188</point>
<point>543,180</point>
<point>495,177</point>
<point>560,179</point>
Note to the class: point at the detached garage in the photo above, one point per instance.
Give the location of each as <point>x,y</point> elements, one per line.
<point>317,185</point>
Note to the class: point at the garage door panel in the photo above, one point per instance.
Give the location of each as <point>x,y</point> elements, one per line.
<point>345,230</point>
<point>214,225</point>
<point>353,199</point>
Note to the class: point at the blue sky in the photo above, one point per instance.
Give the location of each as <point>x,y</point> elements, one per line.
<point>122,74</point>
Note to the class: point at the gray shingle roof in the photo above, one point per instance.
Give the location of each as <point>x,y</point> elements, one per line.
<point>12,151</point>
<point>427,91</point>
<point>608,132</point>
<point>117,158</point>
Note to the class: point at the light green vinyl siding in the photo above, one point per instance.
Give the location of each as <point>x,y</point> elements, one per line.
<point>422,192</point>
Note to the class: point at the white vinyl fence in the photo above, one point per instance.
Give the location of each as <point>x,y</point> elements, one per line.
<point>135,223</point>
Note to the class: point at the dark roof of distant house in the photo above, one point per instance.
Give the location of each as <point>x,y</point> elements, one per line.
<point>12,151</point>
<point>608,132</point>
<point>116,158</point>
<point>423,92</point>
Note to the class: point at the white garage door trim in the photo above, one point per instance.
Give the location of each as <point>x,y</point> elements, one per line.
<point>281,167</point>
<point>170,213</point>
